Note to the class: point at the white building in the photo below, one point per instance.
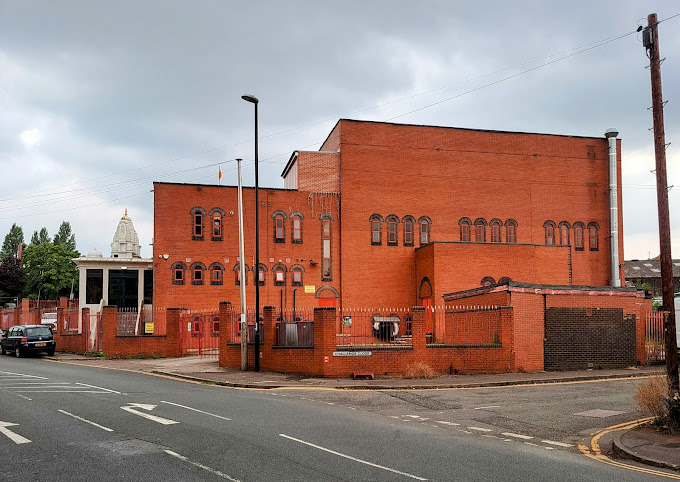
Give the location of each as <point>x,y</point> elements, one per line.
<point>124,279</point>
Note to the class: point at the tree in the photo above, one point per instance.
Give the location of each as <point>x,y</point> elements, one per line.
<point>13,239</point>
<point>12,279</point>
<point>49,271</point>
<point>40,238</point>
<point>65,237</point>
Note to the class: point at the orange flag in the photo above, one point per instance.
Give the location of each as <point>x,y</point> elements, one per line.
<point>219,177</point>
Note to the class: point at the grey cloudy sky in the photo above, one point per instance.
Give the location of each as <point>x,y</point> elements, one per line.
<point>98,99</point>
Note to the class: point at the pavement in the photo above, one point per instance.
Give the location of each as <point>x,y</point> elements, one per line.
<point>645,443</point>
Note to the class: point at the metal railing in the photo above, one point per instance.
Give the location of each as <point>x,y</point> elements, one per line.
<point>381,327</point>
<point>655,342</point>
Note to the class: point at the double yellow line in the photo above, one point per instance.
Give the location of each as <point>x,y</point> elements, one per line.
<point>594,451</point>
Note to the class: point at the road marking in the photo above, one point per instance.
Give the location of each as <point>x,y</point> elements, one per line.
<point>559,444</point>
<point>204,467</point>
<point>23,375</point>
<point>86,421</point>
<point>98,388</point>
<point>131,408</point>
<point>490,406</point>
<point>55,391</point>
<point>196,410</point>
<point>453,424</point>
<point>600,457</point>
<point>480,429</point>
<point>14,437</point>
<point>42,386</point>
<point>394,471</point>
<point>517,435</point>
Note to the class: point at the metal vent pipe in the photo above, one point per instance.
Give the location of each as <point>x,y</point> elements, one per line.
<point>613,207</point>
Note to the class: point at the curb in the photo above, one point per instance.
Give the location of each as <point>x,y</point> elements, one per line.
<point>547,381</point>
<point>621,450</point>
<point>214,382</point>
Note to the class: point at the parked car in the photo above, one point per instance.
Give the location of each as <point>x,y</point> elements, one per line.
<point>24,339</point>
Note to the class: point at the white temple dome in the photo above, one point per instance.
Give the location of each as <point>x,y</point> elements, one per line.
<point>125,242</point>
<point>95,253</point>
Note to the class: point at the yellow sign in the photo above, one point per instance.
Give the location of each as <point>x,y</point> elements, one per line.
<point>148,328</point>
<point>310,289</point>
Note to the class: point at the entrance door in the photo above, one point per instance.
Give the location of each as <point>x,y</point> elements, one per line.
<point>123,288</point>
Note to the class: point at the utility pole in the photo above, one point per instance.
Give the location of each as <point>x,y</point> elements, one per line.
<point>651,43</point>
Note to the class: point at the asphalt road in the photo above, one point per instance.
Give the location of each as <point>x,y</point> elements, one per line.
<point>81,423</point>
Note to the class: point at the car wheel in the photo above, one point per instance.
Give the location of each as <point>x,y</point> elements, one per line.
<point>17,352</point>
<point>50,352</point>
<point>2,350</point>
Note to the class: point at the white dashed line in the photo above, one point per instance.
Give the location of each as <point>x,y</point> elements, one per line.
<point>480,429</point>
<point>516,435</point>
<point>196,410</point>
<point>559,444</point>
<point>490,406</point>
<point>204,467</point>
<point>352,458</point>
<point>453,424</point>
<point>86,421</point>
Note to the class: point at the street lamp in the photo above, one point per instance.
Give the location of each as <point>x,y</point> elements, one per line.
<point>254,100</point>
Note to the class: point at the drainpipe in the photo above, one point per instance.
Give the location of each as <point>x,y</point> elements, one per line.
<point>613,207</point>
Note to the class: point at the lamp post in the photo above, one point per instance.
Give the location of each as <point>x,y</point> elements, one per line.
<point>254,100</point>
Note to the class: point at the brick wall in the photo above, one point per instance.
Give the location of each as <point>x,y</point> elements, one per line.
<point>115,346</point>
<point>580,338</point>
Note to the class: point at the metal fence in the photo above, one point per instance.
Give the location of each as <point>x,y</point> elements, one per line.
<point>200,333</point>
<point>364,327</point>
<point>144,322</point>
<point>71,321</point>
<point>655,343</point>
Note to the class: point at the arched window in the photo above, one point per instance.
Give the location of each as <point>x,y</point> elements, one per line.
<point>237,273</point>
<point>549,227</point>
<point>424,229</point>
<point>409,235</point>
<point>217,217</point>
<point>504,280</point>
<point>197,220</point>
<point>392,230</point>
<point>563,229</point>
<point>510,231</point>
<point>579,229</point>
<point>279,226</point>
<point>376,229</point>
<point>488,281</point>
<point>464,224</point>
<point>296,272</point>
<point>197,270</point>
<point>296,227</point>
<point>279,271</point>
<point>197,325</point>
<point>495,225</point>
<point>480,230</point>
<point>215,325</point>
<point>326,247</point>
<point>178,268</point>
<point>216,274</point>
<point>593,236</point>
<point>261,274</point>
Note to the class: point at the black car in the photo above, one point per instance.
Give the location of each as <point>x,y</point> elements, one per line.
<point>24,339</point>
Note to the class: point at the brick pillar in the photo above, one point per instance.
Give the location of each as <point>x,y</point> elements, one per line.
<point>61,319</point>
<point>109,331</point>
<point>35,316</point>
<point>172,332</point>
<point>63,302</point>
<point>324,339</point>
<point>25,305</point>
<point>269,341</point>
<point>226,330</point>
<point>85,330</point>
<point>418,333</point>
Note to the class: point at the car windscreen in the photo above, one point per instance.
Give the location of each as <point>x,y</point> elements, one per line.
<point>38,331</point>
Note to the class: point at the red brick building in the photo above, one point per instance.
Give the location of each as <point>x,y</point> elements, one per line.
<point>396,215</point>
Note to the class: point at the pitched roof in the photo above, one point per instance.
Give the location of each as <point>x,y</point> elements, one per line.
<point>648,268</point>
